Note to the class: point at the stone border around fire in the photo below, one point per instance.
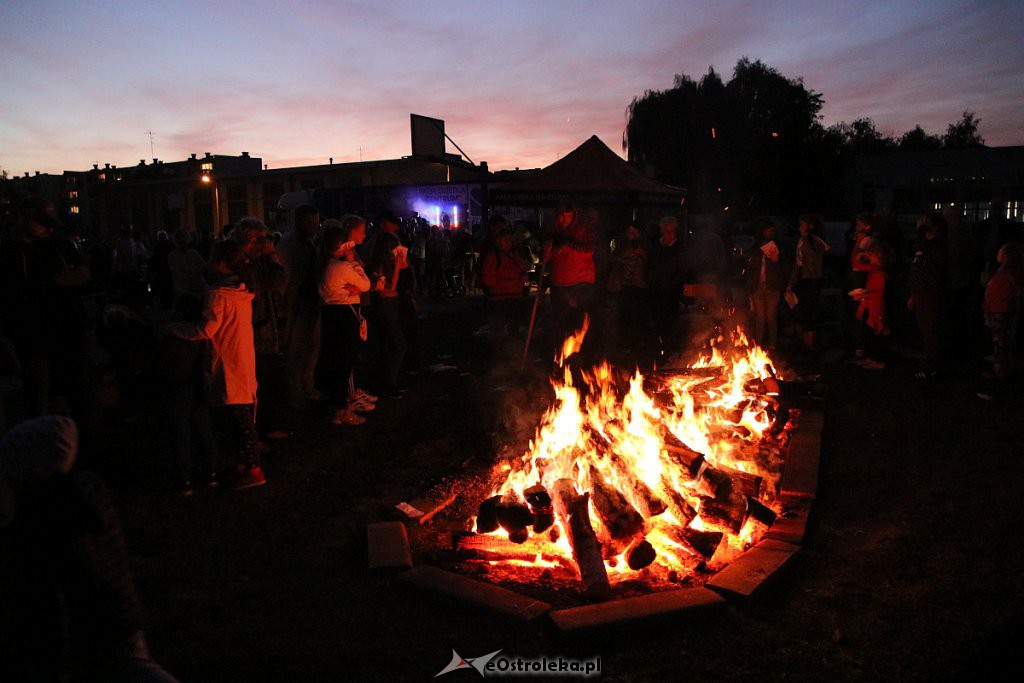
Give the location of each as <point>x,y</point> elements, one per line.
<point>747,577</point>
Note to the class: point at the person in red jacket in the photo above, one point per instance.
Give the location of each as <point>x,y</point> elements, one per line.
<point>570,254</point>
<point>1002,306</point>
<point>503,274</point>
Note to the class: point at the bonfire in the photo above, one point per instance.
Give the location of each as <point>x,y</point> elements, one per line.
<point>657,477</point>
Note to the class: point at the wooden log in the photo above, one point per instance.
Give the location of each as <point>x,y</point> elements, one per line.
<point>742,482</point>
<point>729,513</point>
<point>760,511</point>
<point>677,504</point>
<point>617,515</point>
<point>574,511</point>
<point>704,543</point>
<point>487,515</point>
<point>682,456</point>
<point>649,505</point>
<point>513,515</point>
<point>640,554</point>
<point>498,545</point>
<point>540,505</point>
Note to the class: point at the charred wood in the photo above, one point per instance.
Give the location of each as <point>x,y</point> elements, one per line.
<point>574,511</point>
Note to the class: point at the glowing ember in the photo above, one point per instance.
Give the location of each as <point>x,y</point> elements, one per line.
<point>669,465</point>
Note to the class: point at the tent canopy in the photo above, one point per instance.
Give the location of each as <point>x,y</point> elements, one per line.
<point>590,173</point>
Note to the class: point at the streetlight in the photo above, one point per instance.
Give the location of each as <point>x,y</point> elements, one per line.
<point>207,179</point>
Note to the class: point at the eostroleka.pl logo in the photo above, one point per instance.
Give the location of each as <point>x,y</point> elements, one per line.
<point>492,665</point>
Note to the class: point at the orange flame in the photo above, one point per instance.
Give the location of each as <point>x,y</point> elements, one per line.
<point>634,438</point>
<point>574,342</point>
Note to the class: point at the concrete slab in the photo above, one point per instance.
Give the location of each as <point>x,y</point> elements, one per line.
<point>466,591</point>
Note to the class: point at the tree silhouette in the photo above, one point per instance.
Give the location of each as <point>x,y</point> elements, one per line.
<point>917,140</point>
<point>963,133</point>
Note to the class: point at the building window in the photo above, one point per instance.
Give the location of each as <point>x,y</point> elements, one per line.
<point>1015,210</point>
<point>977,211</point>
<point>207,166</point>
<point>74,209</point>
<point>73,194</point>
<point>102,177</point>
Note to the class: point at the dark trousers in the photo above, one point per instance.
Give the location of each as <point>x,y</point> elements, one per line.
<point>634,317</point>
<point>568,307</point>
<point>665,314</point>
<point>188,421</point>
<point>389,318</point>
<point>504,320</point>
<point>808,294</point>
<point>245,437</point>
<point>339,343</point>
<point>928,313</point>
<point>271,392</point>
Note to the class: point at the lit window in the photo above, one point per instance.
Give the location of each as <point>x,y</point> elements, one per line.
<point>73,194</point>
<point>74,209</point>
<point>1015,211</point>
<point>102,177</point>
<point>207,165</point>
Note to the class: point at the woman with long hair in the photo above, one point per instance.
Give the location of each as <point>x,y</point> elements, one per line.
<point>342,280</point>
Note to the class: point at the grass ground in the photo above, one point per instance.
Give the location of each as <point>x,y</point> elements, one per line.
<point>913,569</point>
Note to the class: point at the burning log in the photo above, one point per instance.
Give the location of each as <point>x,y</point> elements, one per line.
<point>640,555</point>
<point>574,511</point>
<point>649,503</point>
<point>703,543</point>
<point>742,482</point>
<point>729,513</point>
<point>540,505</point>
<point>682,455</point>
<point>677,504</point>
<point>498,548</point>
<point>487,515</point>
<point>620,518</point>
<point>760,511</point>
<point>513,516</point>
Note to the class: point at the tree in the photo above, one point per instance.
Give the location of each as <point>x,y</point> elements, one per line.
<point>743,136</point>
<point>963,133</point>
<point>918,139</point>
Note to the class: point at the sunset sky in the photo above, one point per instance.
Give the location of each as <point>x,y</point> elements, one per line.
<point>518,83</point>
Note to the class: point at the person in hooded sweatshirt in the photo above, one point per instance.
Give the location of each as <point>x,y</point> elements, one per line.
<point>228,325</point>
<point>69,609</point>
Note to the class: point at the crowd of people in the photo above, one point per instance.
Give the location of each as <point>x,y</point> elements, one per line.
<point>265,327</point>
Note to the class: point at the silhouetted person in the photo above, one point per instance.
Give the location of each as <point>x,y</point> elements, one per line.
<point>69,605</point>
<point>666,273</point>
<point>764,278</point>
<point>390,261</point>
<point>928,288</point>
<point>187,266</point>
<point>805,278</point>
<point>41,312</point>
<point>265,277</point>
<point>300,333</point>
<point>503,276</point>
<point>160,272</point>
<point>570,253</point>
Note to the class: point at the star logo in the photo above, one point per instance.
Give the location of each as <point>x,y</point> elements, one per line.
<point>459,662</point>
